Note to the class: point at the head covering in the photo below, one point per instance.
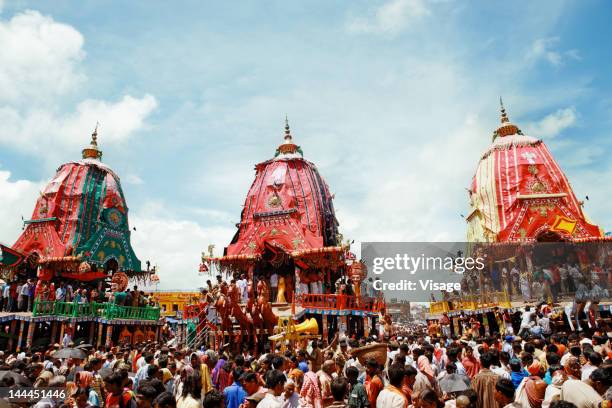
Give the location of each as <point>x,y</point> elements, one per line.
<point>572,362</point>
<point>166,375</point>
<point>85,379</point>
<point>534,368</point>
<point>43,378</point>
<point>71,388</point>
<point>296,373</point>
<point>535,388</point>
<point>424,366</point>
<point>188,369</point>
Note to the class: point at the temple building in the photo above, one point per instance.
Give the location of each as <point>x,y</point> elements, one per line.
<point>520,194</point>
<point>288,222</point>
<point>79,228</point>
<point>288,249</point>
<point>79,238</point>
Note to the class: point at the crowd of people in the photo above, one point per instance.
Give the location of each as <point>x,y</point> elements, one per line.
<point>283,287</point>
<point>560,370</point>
<point>552,280</point>
<point>19,295</point>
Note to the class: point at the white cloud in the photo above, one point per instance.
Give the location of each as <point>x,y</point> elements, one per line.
<point>41,130</point>
<point>553,124</point>
<point>588,181</point>
<point>18,198</point>
<point>39,58</point>
<point>133,179</point>
<point>40,63</point>
<point>118,120</point>
<point>546,49</point>
<point>174,245</point>
<point>390,18</point>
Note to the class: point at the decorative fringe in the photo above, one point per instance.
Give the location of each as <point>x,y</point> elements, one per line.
<point>508,142</point>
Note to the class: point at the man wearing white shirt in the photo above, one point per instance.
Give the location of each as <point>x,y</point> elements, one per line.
<point>594,362</point>
<point>275,382</point>
<point>544,323</point>
<point>60,293</point>
<point>526,320</point>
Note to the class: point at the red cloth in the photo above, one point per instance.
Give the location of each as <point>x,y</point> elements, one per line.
<point>471,365</point>
<point>224,379</point>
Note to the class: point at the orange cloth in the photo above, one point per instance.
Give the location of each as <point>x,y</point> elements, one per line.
<point>373,387</point>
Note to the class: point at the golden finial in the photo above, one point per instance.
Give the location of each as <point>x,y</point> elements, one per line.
<point>94,135</point>
<point>288,137</point>
<point>504,117</point>
<point>288,147</point>
<point>92,151</point>
<point>506,128</point>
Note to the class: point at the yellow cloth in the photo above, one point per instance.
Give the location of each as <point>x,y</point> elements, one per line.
<point>206,382</point>
<point>280,296</point>
<point>166,375</point>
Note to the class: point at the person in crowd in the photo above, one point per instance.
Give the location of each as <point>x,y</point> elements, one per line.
<point>484,382</point>
<point>117,395</point>
<point>470,362</point>
<point>275,383</point>
<point>504,394</point>
<point>357,395</point>
<point>392,396</point>
<point>339,387</point>
<point>373,382</point>
<point>234,395</point>
<point>191,394</point>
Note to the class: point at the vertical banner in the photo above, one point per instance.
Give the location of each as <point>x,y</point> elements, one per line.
<point>53,332</point>
<point>20,339</point>
<point>12,334</point>
<point>325,328</point>
<point>485,323</point>
<point>31,329</point>
<point>62,328</point>
<point>100,332</point>
<point>109,335</point>
<point>92,328</point>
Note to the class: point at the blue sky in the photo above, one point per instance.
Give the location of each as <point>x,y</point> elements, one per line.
<point>394,100</point>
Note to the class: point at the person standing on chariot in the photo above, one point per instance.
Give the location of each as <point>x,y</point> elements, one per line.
<point>580,299</point>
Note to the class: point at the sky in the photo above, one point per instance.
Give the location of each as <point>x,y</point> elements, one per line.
<point>393,100</point>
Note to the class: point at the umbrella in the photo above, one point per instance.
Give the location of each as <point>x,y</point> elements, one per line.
<point>84,346</point>
<point>69,352</point>
<point>19,379</point>
<point>453,383</point>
